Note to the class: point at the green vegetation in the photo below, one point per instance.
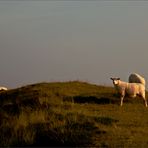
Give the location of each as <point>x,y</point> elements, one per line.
<point>71,114</point>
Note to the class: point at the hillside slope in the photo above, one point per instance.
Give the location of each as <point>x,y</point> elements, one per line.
<point>71,114</point>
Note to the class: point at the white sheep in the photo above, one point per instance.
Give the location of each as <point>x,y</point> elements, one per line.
<point>131,89</point>
<point>136,78</point>
<point>3,88</point>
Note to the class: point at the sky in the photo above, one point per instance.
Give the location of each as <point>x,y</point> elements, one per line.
<point>91,41</point>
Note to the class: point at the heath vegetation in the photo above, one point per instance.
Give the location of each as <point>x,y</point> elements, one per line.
<point>71,114</point>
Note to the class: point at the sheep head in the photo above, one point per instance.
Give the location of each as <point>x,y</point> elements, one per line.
<point>115,80</point>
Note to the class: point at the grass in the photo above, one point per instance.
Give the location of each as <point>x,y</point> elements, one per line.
<point>70,114</point>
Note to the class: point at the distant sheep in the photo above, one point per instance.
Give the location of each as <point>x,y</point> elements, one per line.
<point>131,89</point>
<point>3,88</point>
<point>136,78</point>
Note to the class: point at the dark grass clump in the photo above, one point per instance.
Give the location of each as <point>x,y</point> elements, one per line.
<point>42,129</point>
<point>69,134</point>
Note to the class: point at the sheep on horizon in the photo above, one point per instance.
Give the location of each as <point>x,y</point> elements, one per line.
<point>3,88</point>
<point>136,78</point>
<point>131,89</point>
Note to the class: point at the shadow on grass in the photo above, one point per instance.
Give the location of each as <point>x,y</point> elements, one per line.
<point>105,120</point>
<point>11,109</point>
<point>91,100</point>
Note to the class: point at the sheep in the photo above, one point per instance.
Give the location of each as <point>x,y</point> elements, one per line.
<point>136,78</point>
<point>3,88</point>
<point>131,89</point>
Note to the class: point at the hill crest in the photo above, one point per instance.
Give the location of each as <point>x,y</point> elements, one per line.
<point>61,113</point>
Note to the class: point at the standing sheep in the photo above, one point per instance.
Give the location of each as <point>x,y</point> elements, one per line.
<point>131,89</point>
<point>136,78</point>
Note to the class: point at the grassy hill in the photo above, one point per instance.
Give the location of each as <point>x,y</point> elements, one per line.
<point>71,114</point>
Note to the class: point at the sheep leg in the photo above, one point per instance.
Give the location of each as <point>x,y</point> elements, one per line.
<point>122,97</point>
<point>143,96</point>
<point>145,102</point>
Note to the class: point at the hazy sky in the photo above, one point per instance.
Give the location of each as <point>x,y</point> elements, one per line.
<point>76,40</point>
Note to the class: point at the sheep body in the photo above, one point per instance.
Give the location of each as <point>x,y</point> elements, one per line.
<point>131,89</point>
<point>136,78</point>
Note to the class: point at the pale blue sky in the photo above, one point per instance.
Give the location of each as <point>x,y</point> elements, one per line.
<point>77,40</point>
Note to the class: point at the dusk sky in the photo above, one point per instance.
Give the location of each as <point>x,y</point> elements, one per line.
<point>47,41</point>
